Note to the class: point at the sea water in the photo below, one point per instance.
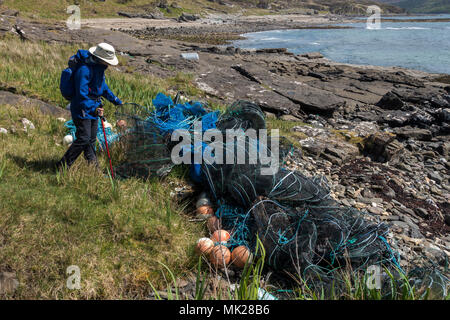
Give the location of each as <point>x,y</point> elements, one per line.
<point>415,45</point>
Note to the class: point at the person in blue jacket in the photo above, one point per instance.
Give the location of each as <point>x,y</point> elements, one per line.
<point>86,105</point>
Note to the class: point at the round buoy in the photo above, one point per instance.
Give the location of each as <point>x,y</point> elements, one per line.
<point>121,124</point>
<point>220,256</point>
<point>213,224</point>
<point>204,246</point>
<point>204,212</point>
<point>221,236</point>
<point>68,139</point>
<point>240,255</point>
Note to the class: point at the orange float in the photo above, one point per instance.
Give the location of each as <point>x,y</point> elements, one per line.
<point>204,212</point>
<point>221,236</point>
<point>240,255</point>
<point>213,224</point>
<point>204,246</point>
<point>220,256</point>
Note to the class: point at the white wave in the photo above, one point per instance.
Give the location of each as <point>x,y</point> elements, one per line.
<point>270,39</point>
<point>406,28</point>
<point>315,43</point>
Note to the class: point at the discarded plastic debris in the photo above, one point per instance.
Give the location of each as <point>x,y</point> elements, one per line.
<point>68,139</point>
<point>203,200</point>
<point>27,124</point>
<point>264,295</point>
<point>3,130</point>
<point>190,56</point>
<point>107,125</point>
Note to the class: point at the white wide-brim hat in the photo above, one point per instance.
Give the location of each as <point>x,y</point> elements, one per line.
<point>105,52</point>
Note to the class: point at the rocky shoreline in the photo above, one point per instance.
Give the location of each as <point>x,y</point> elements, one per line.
<point>381,136</point>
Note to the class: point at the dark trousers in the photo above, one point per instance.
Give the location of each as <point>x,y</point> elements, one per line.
<point>86,135</point>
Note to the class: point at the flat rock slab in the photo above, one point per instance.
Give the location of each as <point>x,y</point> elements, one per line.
<point>415,133</point>
<point>19,101</point>
<point>309,98</point>
<point>347,89</point>
<point>223,83</point>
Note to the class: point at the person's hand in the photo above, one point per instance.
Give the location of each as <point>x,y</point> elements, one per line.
<point>118,102</point>
<point>100,112</point>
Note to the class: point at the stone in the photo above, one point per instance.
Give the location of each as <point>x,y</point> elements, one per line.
<point>390,101</point>
<point>9,12</point>
<point>390,218</point>
<point>188,17</point>
<point>22,102</point>
<point>436,177</point>
<point>351,191</point>
<point>415,233</point>
<point>435,191</point>
<point>399,224</point>
<point>421,212</point>
<point>270,115</point>
<point>382,146</point>
<point>375,210</point>
<point>288,117</point>
<point>435,253</point>
<point>447,219</point>
<point>415,133</point>
<point>416,241</point>
<point>409,222</point>
<point>389,192</point>
<point>367,193</point>
<point>308,98</point>
<point>155,15</point>
<point>312,55</point>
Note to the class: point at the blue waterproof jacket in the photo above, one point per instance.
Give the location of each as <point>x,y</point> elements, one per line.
<point>90,85</point>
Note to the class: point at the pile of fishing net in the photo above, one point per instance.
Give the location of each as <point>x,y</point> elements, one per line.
<point>303,230</point>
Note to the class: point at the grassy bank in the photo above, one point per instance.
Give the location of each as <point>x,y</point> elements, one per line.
<point>116,233</point>
<point>56,10</point>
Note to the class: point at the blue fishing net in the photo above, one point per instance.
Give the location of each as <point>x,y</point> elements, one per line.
<point>304,231</point>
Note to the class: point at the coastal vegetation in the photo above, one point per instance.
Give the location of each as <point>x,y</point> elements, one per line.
<point>56,10</point>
